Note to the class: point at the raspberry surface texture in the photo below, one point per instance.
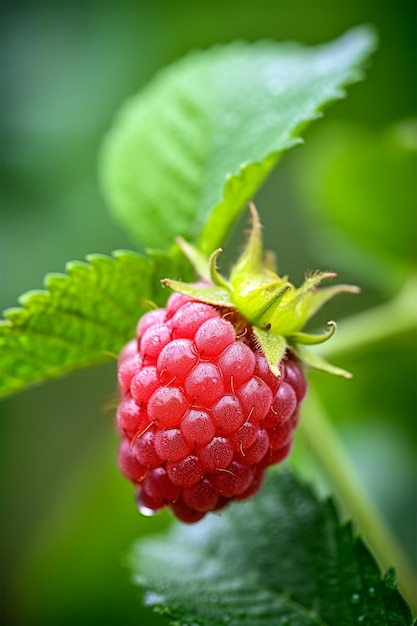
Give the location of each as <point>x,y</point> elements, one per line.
<point>201,414</point>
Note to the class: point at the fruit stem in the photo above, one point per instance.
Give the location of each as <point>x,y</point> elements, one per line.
<point>326,446</point>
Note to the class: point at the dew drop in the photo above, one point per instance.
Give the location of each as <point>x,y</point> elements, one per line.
<point>355,599</point>
<point>361,618</point>
<point>146,510</point>
<point>372,592</point>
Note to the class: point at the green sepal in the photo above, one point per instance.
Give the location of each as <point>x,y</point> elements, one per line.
<point>313,360</point>
<point>313,340</point>
<point>294,310</point>
<point>320,297</point>
<point>257,304</point>
<point>250,261</point>
<point>273,346</point>
<point>215,276</point>
<point>210,294</point>
<point>256,287</point>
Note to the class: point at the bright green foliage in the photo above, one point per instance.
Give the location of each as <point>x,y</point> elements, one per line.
<point>280,558</point>
<point>82,318</point>
<point>190,150</point>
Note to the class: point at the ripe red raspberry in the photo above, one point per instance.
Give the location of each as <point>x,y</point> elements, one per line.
<point>201,414</point>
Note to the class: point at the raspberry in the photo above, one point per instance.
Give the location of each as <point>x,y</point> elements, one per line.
<point>211,386</point>
<point>201,414</point>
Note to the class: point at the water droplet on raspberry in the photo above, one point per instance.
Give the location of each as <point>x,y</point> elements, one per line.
<point>145,504</point>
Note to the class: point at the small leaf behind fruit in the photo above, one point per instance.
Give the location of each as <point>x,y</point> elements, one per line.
<point>282,557</point>
<point>82,318</point>
<point>192,148</point>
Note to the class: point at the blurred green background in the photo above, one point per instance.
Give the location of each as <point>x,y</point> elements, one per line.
<point>345,201</point>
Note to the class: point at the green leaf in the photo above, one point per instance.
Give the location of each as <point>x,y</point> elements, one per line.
<point>82,318</point>
<point>192,148</point>
<point>280,558</point>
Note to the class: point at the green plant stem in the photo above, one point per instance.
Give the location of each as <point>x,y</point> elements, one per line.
<point>324,443</point>
<point>380,323</point>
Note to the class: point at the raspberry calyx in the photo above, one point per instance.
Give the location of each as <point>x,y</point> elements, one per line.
<point>275,309</point>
